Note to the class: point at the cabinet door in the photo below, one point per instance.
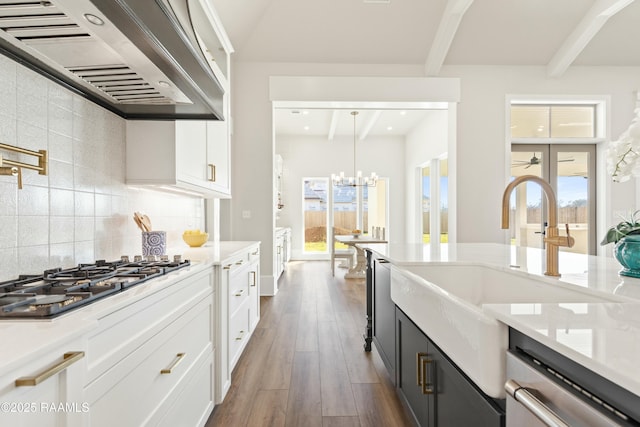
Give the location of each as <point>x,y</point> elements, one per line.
<point>384,334</point>
<point>30,399</point>
<point>412,354</point>
<point>458,401</point>
<point>218,161</point>
<point>191,151</point>
<point>254,294</point>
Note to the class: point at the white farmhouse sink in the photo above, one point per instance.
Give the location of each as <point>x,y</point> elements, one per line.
<point>445,301</point>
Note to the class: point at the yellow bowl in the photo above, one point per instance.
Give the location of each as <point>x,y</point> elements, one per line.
<point>195,240</point>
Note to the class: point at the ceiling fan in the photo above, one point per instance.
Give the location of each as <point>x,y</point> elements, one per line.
<point>535,160</point>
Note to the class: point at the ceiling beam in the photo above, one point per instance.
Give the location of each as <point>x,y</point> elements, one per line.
<point>591,23</point>
<point>453,13</point>
<point>368,125</point>
<point>333,125</point>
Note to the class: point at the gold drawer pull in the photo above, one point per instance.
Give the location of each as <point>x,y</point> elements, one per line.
<point>427,386</point>
<point>254,278</point>
<point>68,359</point>
<point>212,170</point>
<point>240,262</point>
<point>227,267</point>
<point>239,337</point>
<point>175,362</point>
<point>419,375</point>
<point>256,252</point>
<point>240,293</point>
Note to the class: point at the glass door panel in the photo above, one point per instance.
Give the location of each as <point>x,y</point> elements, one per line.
<point>444,201</point>
<point>315,214</point>
<point>528,205</point>
<point>426,204</point>
<point>345,205</point>
<point>573,168</point>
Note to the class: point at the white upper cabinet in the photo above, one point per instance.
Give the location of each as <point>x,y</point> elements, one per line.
<point>181,156</point>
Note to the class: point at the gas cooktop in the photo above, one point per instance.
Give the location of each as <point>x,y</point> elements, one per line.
<point>58,290</point>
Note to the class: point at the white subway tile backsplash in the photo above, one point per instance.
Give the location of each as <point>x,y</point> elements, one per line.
<point>33,230</point>
<point>60,147</point>
<point>62,202</point>
<point>8,232</point>
<point>82,210</point>
<point>8,263</point>
<point>9,196</point>
<point>83,229</point>
<point>33,200</point>
<point>84,204</point>
<point>60,175</point>
<point>61,229</point>
<point>62,255</point>
<point>60,120</point>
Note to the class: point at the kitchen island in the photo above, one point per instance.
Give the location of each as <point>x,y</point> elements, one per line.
<point>600,333</point>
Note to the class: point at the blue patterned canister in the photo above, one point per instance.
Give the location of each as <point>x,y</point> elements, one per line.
<point>154,243</point>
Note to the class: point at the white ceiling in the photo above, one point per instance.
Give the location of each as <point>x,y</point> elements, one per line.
<point>555,34</point>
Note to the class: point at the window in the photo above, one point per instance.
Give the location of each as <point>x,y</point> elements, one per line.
<point>315,214</point>
<point>541,137</point>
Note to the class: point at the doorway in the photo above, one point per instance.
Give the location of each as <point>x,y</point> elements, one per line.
<point>571,171</point>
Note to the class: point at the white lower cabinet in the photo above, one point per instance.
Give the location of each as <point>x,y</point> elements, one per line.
<point>238,286</point>
<point>46,391</point>
<point>144,358</point>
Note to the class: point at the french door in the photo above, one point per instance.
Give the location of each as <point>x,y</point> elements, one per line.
<point>571,171</point>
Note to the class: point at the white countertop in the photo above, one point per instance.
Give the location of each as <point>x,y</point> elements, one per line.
<point>603,337</point>
<point>31,338</point>
<point>215,253</point>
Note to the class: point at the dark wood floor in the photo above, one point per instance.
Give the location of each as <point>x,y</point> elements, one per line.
<point>305,364</point>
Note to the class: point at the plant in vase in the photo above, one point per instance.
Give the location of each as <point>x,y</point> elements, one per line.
<point>626,236</point>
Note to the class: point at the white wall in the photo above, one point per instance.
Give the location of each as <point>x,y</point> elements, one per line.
<point>81,210</point>
<point>481,147</point>
<point>315,156</point>
<point>427,141</point>
<point>481,137</point>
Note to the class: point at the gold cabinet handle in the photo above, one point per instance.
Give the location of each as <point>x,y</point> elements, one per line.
<point>175,362</point>
<point>240,262</point>
<point>239,337</point>
<point>256,252</point>
<point>254,278</point>
<point>239,293</point>
<point>212,174</point>
<point>68,359</point>
<point>427,386</point>
<point>419,375</point>
<point>227,267</point>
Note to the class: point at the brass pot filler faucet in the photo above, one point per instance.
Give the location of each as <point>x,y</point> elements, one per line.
<point>14,168</point>
<point>552,239</point>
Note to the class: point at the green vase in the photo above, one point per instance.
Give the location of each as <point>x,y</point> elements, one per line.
<point>627,252</point>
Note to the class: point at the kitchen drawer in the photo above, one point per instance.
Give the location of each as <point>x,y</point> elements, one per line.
<point>239,333</point>
<point>254,254</point>
<point>122,331</point>
<point>239,288</point>
<point>194,403</point>
<point>30,405</point>
<point>140,384</point>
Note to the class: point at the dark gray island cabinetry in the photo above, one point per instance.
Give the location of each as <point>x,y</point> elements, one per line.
<point>435,390</point>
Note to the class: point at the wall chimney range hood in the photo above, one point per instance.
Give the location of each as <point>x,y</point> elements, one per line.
<point>151,59</point>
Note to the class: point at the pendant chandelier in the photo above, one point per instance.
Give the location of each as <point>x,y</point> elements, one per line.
<point>357,180</point>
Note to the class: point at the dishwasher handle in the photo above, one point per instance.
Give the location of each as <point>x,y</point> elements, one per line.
<point>534,405</point>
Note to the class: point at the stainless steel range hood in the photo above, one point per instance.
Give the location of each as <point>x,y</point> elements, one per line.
<point>147,59</point>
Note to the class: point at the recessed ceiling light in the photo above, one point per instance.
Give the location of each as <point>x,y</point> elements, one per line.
<point>389,127</point>
<point>93,19</point>
<point>306,128</point>
<point>163,83</point>
<point>403,113</point>
<point>305,112</point>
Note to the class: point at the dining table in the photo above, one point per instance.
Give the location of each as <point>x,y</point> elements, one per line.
<point>359,270</point>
